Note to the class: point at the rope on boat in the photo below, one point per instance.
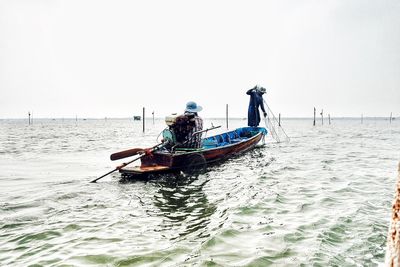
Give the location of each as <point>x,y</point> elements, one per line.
<point>272,124</point>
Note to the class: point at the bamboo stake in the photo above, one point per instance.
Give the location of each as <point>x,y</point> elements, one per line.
<point>143,120</point>
<point>227,117</point>
<point>322,116</point>
<point>279,121</point>
<point>314,117</point>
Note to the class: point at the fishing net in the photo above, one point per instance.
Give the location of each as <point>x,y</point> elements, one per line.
<point>274,126</point>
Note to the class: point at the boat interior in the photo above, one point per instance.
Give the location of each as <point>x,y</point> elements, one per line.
<point>231,137</point>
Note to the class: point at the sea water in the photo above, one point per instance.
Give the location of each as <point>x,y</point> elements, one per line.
<point>323,199</point>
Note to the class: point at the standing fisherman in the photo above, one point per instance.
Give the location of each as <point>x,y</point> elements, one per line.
<point>256,101</point>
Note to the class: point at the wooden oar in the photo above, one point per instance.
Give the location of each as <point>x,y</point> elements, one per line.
<point>118,168</point>
<point>126,153</point>
<point>206,130</point>
<point>143,152</point>
<point>132,152</point>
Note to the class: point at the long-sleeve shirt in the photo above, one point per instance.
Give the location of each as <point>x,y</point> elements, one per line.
<point>185,126</point>
<point>194,141</point>
<point>256,101</point>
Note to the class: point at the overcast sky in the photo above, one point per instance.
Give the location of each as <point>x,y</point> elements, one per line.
<point>111,58</point>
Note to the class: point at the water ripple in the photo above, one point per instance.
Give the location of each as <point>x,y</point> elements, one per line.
<point>324,199</point>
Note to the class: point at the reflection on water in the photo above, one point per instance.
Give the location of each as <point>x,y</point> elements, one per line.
<point>181,203</point>
<point>184,205</point>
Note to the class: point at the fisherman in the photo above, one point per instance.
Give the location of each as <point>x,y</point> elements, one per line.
<point>256,101</point>
<point>187,124</point>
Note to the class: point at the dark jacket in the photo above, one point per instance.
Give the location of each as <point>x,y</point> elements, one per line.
<point>256,101</point>
<point>184,127</point>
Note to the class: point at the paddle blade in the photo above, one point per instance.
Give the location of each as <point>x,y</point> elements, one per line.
<point>126,153</point>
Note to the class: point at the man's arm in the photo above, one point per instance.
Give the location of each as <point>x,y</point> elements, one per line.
<point>262,106</point>
<point>252,90</point>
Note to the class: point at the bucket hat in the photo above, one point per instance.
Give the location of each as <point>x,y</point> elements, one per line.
<point>193,107</point>
<point>262,90</point>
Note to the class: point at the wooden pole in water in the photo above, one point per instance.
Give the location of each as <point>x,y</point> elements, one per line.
<point>393,239</point>
<point>279,120</point>
<point>227,116</point>
<point>322,116</point>
<point>143,120</point>
<point>314,117</point>
<point>362,118</point>
<point>329,117</point>
<point>153,116</point>
<point>29,118</point>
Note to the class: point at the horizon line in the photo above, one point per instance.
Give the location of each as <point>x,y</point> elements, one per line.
<point>219,118</point>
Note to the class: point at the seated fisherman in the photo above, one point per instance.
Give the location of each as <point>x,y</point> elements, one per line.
<point>187,124</point>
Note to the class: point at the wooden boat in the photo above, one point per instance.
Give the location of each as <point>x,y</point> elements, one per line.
<point>214,148</point>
